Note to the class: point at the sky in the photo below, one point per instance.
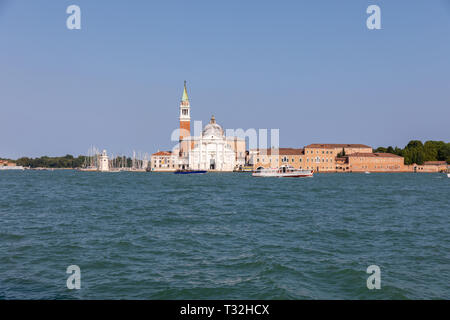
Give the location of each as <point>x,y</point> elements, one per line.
<point>311,69</point>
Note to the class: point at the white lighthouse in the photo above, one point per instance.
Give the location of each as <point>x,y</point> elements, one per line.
<point>104,162</point>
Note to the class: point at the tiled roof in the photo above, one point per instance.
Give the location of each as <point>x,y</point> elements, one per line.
<point>435,163</point>
<point>336,145</point>
<point>281,151</point>
<point>380,155</point>
<point>162,153</point>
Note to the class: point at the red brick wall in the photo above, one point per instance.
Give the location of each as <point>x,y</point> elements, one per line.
<point>185,129</point>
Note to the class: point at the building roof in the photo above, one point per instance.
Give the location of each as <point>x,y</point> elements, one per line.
<point>213,129</point>
<point>379,155</point>
<point>336,145</point>
<point>435,163</point>
<point>281,151</point>
<point>162,153</point>
<point>185,95</point>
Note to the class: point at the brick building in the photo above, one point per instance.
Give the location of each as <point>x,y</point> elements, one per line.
<point>317,157</point>
<point>375,162</point>
<point>430,166</point>
<point>274,158</point>
<point>163,161</point>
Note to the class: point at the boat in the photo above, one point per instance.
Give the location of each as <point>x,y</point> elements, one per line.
<point>12,168</point>
<point>448,175</point>
<point>367,172</point>
<point>190,171</point>
<point>88,169</point>
<point>243,169</point>
<point>283,172</point>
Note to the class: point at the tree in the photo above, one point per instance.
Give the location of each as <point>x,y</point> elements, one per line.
<point>381,150</point>
<point>414,144</point>
<point>342,153</point>
<point>415,151</point>
<point>443,153</point>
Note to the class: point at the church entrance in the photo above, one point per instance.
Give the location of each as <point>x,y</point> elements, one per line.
<point>212,164</point>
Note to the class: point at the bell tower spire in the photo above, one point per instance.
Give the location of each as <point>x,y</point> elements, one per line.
<point>185,115</point>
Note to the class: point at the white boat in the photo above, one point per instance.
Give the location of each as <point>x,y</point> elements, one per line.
<point>283,172</point>
<point>12,168</point>
<point>448,175</point>
<point>367,172</point>
<point>88,169</point>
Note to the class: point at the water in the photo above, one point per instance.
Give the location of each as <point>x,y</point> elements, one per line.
<point>223,236</point>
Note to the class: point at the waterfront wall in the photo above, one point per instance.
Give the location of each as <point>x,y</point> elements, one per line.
<point>326,158</point>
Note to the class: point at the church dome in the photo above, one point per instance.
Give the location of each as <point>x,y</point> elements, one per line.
<point>213,129</point>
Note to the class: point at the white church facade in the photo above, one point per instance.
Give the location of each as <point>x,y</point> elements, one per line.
<point>212,150</point>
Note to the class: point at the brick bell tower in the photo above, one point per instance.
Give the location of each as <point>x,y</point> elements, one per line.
<point>185,115</point>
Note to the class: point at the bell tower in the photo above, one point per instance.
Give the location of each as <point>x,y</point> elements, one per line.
<point>185,115</point>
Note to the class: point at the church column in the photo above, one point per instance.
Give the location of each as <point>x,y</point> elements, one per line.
<point>217,157</point>
<point>201,152</point>
<point>223,152</point>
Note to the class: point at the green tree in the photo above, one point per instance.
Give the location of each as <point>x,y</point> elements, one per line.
<point>381,150</point>
<point>443,153</point>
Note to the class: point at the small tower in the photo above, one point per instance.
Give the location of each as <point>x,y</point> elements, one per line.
<point>104,162</point>
<point>185,115</point>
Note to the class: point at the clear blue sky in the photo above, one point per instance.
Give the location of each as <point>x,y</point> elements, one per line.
<point>310,68</point>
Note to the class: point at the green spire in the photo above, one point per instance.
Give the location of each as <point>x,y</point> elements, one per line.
<point>185,95</point>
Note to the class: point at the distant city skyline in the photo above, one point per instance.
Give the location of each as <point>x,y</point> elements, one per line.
<point>311,69</point>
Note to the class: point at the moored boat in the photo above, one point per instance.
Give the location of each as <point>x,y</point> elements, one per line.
<point>88,169</point>
<point>190,171</point>
<point>283,172</point>
<point>243,169</point>
<point>12,168</point>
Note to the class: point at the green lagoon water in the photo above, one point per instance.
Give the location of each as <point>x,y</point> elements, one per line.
<point>223,236</point>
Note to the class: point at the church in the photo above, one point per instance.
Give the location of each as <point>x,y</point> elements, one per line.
<point>212,150</point>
